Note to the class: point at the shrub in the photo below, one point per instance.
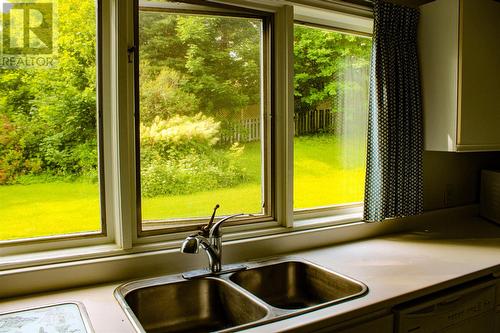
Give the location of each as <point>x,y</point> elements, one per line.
<point>178,157</point>
<point>180,135</point>
<point>15,159</point>
<point>190,174</point>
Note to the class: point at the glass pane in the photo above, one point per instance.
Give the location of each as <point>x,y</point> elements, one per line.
<point>48,128</point>
<point>331,113</point>
<point>200,115</point>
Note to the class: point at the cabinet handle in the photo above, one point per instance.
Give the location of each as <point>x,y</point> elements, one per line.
<point>451,300</point>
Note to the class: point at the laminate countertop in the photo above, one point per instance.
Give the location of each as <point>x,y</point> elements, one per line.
<point>396,268</point>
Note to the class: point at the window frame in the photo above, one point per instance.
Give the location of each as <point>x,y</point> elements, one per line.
<point>179,225</point>
<point>87,237</point>
<point>334,210</point>
<point>117,155</point>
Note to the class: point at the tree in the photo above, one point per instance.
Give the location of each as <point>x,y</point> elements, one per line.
<point>218,58</point>
<point>51,112</point>
<point>162,95</point>
<point>319,60</point>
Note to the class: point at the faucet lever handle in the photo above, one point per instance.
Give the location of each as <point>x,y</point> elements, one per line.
<point>206,229</point>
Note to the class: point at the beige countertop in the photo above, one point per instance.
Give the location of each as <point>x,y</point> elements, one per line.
<point>396,268</point>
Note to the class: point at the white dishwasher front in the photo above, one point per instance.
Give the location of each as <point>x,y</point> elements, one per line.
<point>467,309</point>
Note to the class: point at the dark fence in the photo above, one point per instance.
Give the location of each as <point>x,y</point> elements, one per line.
<point>316,121</point>
<point>308,122</point>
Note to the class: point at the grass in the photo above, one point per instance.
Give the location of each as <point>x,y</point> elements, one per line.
<point>326,173</point>
<point>48,209</point>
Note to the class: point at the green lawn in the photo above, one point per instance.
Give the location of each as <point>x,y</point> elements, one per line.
<point>327,172</point>
<point>48,209</point>
<point>324,175</point>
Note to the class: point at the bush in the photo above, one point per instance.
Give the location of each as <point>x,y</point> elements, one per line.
<point>190,174</point>
<point>178,157</point>
<point>85,156</point>
<point>15,159</point>
<point>180,135</point>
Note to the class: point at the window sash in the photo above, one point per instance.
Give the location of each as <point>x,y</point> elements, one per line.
<point>177,225</point>
<point>103,233</point>
<point>333,209</point>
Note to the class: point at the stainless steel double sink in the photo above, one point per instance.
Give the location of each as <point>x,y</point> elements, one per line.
<point>266,291</point>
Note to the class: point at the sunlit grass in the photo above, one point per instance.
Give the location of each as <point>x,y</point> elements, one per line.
<point>233,200</point>
<point>48,209</point>
<point>327,172</point>
<point>321,178</point>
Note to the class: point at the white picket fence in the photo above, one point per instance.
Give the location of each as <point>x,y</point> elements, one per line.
<point>247,130</point>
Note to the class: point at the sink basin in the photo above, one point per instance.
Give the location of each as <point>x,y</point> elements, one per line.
<point>266,291</point>
<point>297,285</point>
<point>203,305</point>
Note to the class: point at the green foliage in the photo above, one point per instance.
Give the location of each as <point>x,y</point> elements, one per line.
<point>218,59</point>
<point>178,157</point>
<point>180,135</point>
<point>15,145</point>
<point>189,174</point>
<point>320,57</point>
<point>162,96</point>
<point>49,114</point>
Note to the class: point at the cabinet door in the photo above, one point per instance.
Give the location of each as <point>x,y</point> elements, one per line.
<point>438,48</point>
<point>479,109</point>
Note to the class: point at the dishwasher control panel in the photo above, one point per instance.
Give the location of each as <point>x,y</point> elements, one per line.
<point>472,308</point>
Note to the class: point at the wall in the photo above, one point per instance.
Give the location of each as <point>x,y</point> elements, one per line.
<point>453,179</point>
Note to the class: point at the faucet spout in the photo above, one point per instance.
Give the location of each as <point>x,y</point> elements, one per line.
<point>212,245</point>
<point>215,230</point>
<point>192,244</point>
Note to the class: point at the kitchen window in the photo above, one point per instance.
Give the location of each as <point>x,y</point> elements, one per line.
<point>178,107</point>
<point>331,113</point>
<point>203,134</point>
<point>51,182</point>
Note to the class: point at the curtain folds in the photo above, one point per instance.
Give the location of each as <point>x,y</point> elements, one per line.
<point>394,176</point>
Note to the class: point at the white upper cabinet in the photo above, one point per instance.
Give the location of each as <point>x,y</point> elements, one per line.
<point>459,42</point>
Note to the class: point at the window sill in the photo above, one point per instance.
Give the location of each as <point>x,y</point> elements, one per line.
<point>326,221</point>
<point>35,260</point>
<point>239,233</point>
<point>32,273</point>
<point>328,216</point>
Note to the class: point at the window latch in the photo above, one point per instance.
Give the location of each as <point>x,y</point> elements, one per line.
<point>131,51</point>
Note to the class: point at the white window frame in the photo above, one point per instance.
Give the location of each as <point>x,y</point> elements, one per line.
<point>104,59</point>
<point>354,24</point>
<point>116,76</point>
<point>192,224</point>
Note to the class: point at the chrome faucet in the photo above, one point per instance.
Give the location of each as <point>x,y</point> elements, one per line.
<point>209,238</point>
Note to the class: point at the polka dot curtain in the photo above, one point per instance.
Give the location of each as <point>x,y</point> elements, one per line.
<point>394,176</point>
